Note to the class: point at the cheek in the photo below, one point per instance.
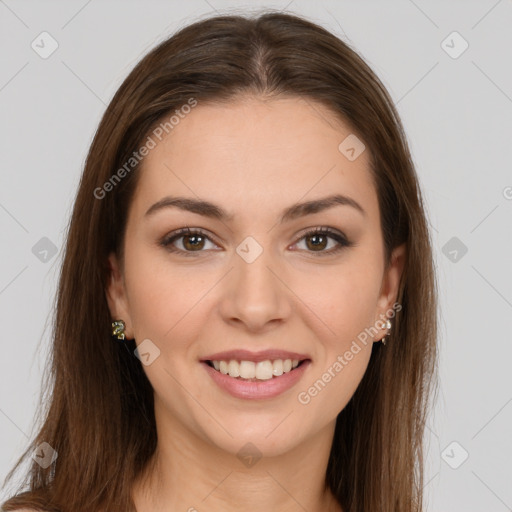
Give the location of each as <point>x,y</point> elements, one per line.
<point>161,295</point>
<point>345,301</point>
<point>346,308</point>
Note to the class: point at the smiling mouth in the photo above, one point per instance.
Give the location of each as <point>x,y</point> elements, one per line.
<point>251,371</point>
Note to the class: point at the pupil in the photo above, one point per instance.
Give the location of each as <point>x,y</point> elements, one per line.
<point>194,244</point>
<point>317,244</point>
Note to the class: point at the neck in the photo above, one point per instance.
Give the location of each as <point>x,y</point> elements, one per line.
<point>190,473</point>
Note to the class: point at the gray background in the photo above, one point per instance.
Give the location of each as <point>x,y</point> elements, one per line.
<point>457,114</point>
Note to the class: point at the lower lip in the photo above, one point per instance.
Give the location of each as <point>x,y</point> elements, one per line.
<point>257,390</point>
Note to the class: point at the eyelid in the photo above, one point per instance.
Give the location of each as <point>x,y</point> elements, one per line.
<point>167,241</point>
<point>341,240</point>
<point>339,237</point>
<point>321,229</point>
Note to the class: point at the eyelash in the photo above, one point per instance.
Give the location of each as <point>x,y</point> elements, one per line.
<point>168,240</point>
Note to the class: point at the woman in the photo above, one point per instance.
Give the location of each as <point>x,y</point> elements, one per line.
<point>246,314</point>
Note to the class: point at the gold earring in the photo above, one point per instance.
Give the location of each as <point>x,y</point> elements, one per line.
<point>118,329</point>
<point>388,327</point>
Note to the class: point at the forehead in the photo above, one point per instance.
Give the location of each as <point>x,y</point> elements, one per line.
<point>251,152</point>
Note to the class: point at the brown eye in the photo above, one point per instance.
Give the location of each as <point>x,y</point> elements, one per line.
<point>193,242</point>
<point>186,241</point>
<point>319,239</point>
<point>316,242</point>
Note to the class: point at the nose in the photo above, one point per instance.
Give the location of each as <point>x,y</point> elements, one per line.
<point>255,294</point>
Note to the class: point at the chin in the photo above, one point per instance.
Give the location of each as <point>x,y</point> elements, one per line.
<point>258,439</point>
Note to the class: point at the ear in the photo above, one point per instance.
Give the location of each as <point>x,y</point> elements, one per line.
<point>389,289</point>
<point>116,295</point>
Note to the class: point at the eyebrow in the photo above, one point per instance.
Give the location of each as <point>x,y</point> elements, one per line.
<point>214,211</point>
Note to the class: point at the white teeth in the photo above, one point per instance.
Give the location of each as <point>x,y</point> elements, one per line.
<point>262,370</point>
<point>247,369</point>
<point>277,368</point>
<point>234,369</point>
<point>224,367</point>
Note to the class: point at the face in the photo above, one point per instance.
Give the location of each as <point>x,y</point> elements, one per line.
<point>254,274</point>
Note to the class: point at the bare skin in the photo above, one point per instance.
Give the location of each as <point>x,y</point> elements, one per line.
<point>253,158</point>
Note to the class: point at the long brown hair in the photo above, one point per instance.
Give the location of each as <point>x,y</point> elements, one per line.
<point>98,399</point>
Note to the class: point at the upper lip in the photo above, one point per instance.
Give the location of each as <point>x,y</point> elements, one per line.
<point>246,355</point>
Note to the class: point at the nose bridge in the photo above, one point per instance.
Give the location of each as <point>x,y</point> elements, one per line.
<point>255,295</point>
